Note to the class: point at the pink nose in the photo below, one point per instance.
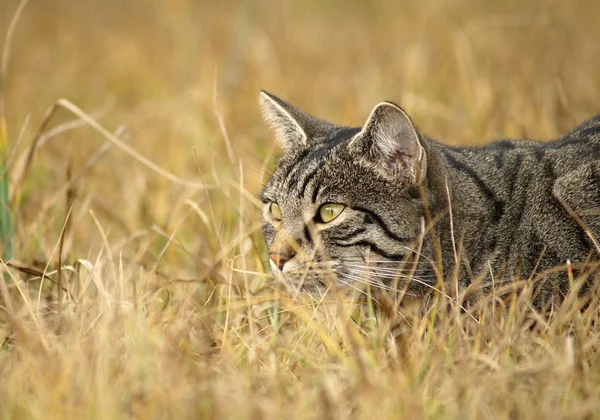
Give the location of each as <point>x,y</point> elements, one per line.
<point>279,259</point>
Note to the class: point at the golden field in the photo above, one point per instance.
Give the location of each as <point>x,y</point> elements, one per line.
<point>136,286</point>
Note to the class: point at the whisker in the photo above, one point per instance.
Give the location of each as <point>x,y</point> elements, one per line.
<point>378,261</point>
<point>380,286</point>
<point>393,275</point>
<point>371,297</point>
<point>370,283</point>
<point>418,281</point>
<point>387,269</point>
<point>352,286</point>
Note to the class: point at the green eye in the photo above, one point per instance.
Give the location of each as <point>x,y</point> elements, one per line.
<point>329,211</point>
<point>275,212</point>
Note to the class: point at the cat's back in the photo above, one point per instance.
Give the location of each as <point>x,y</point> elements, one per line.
<point>517,197</point>
<point>505,157</point>
<point>581,144</point>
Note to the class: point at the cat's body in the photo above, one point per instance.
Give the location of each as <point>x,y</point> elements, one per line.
<point>511,201</point>
<point>351,206</point>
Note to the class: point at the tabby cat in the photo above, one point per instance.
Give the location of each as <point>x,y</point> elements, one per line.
<point>384,204</point>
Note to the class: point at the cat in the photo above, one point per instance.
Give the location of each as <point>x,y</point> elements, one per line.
<point>384,204</point>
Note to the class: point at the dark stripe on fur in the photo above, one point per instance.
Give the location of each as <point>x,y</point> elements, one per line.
<point>514,176</point>
<point>339,137</point>
<point>320,154</point>
<point>376,249</point>
<point>498,204</point>
<point>348,235</point>
<point>289,178</point>
<point>307,178</point>
<point>382,224</point>
<point>307,236</point>
<point>315,193</point>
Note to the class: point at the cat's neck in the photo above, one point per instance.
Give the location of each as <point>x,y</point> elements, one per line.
<point>453,207</point>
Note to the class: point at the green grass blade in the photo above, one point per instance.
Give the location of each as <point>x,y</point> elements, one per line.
<point>6,222</point>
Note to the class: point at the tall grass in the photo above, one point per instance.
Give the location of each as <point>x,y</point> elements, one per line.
<point>6,217</point>
<point>137,284</point>
<point>6,222</point>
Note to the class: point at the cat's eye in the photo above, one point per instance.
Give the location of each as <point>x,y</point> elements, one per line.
<point>329,211</point>
<point>275,212</point>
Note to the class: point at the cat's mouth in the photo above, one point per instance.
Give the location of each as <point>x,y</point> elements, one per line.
<point>318,282</point>
<point>318,278</point>
<point>389,276</point>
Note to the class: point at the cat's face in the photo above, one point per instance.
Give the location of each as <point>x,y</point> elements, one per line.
<point>343,206</point>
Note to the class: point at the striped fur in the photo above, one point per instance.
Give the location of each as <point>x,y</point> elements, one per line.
<point>510,210</point>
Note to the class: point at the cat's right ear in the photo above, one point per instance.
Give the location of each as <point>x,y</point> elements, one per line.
<point>294,129</point>
<point>283,119</point>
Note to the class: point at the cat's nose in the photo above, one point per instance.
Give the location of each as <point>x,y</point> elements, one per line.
<point>280,258</point>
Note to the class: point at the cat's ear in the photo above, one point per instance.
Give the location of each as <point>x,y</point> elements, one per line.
<point>293,127</point>
<point>390,141</point>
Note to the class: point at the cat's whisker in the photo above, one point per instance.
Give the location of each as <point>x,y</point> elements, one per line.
<point>394,275</point>
<point>369,260</point>
<point>416,280</point>
<point>371,297</point>
<point>445,295</point>
<point>377,285</point>
<point>369,282</point>
<point>353,287</point>
<point>388,269</point>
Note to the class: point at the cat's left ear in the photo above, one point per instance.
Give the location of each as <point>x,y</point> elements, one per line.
<point>391,143</point>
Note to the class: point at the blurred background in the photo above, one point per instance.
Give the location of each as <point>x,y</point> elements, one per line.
<point>163,307</point>
<point>179,80</point>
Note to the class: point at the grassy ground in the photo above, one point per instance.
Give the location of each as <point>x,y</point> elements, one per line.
<point>163,307</point>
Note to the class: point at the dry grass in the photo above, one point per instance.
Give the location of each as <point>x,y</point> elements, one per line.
<point>165,309</point>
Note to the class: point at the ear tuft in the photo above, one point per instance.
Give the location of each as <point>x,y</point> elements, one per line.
<point>278,116</point>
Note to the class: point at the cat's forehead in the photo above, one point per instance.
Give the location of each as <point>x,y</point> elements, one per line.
<point>328,174</point>
<point>321,153</point>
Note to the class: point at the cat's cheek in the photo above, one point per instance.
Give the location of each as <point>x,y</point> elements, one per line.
<point>289,267</point>
<point>268,234</point>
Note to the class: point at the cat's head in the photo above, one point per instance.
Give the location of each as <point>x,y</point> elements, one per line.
<point>343,206</point>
